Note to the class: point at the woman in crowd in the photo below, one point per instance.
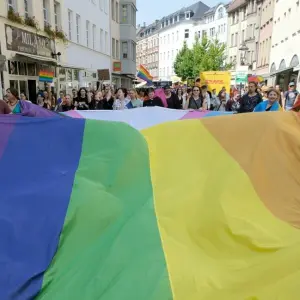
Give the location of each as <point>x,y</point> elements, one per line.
<point>196,101</point>
<point>98,100</point>
<point>171,98</point>
<point>180,95</point>
<point>121,100</point>
<point>271,104</point>
<point>23,97</point>
<point>82,102</point>
<point>135,102</point>
<point>234,103</point>
<point>13,101</point>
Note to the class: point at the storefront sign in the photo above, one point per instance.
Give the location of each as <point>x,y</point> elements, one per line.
<point>241,75</point>
<point>46,76</point>
<point>20,40</point>
<point>103,74</point>
<point>117,66</point>
<point>215,80</point>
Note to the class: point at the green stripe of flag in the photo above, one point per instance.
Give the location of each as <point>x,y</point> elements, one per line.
<point>110,247</point>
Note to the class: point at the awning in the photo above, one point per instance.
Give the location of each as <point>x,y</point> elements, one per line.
<point>66,66</point>
<point>35,58</point>
<point>281,71</point>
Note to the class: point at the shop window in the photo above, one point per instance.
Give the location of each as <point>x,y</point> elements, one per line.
<point>12,67</point>
<point>62,71</point>
<point>22,68</point>
<point>23,87</point>
<point>69,75</point>
<point>31,69</point>
<point>76,75</point>
<point>14,84</point>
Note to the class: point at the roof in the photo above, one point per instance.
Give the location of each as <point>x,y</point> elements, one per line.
<point>212,10</point>
<point>235,4</point>
<point>198,9</point>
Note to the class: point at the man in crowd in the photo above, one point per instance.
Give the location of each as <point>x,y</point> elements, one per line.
<point>290,96</point>
<point>249,101</point>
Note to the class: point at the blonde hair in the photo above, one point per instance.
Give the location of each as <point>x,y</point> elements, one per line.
<point>135,92</point>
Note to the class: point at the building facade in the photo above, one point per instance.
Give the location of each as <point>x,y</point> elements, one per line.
<point>28,46</point>
<point>87,25</point>
<point>148,49</point>
<point>284,60</point>
<point>214,24</point>
<point>237,28</point>
<point>266,10</point>
<point>176,29</point>
<point>128,42</point>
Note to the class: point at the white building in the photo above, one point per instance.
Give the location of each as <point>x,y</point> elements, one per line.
<point>25,52</point>
<point>87,24</point>
<point>214,24</point>
<point>284,60</point>
<point>175,29</point>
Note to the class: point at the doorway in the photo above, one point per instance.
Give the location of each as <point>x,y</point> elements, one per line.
<point>32,91</point>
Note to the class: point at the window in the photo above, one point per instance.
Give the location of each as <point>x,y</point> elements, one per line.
<point>56,15</point>
<point>87,29</point>
<point>113,9</point>
<point>125,49</point>
<point>26,8</point>
<point>106,42</point>
<point>70,17</point>
<point>94,37</point>
<point>186,33</point>
<point>117,49</point>
<point>101,40</point>
<point>46,12</point>
<point>133,47</point>
<point>117,12</point>
<point>113,47</point>
<point>133,16</point>
<point>221,13</point>
<point>105,6</point>
<point>124,14</point>
<point>78,28</point>
<point>11,4</point>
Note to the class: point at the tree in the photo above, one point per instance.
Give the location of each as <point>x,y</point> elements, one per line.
<point>183,65</point>
<point>205,55</point>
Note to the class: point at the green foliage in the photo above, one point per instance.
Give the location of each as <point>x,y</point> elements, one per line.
<point>205,55</point>
<point>14,16</point>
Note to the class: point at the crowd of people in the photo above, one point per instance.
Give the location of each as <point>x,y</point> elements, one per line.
<point>253,98</point>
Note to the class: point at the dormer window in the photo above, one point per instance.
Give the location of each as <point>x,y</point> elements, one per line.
<point>187,15</point>
<point>177,18</point>
<point>221,13</point>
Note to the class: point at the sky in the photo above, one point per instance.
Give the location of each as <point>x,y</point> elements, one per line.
<point>150,10</point>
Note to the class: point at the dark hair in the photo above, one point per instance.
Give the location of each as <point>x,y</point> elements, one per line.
<point>151,90</point>
<point>198,80</point>
<point>204,87</point>
<point>123,90</point>
<point>179,89</point>
<point>189,90</point>
<point>167,87</point>
<point>198,87</point>
<point>253,82</point>
<point>79,92</point>
<point>14,92</point>
<point>220,93</point>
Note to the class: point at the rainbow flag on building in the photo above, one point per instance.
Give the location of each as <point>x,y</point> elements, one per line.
<point>205,209</point>
<point>145,75</point>
<point>46,76</point>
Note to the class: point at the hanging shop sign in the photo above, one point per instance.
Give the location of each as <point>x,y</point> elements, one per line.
<point>23,41</point>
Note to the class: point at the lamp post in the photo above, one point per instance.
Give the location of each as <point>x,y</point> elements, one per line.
<point>243,62</point>
<point>243,50</point>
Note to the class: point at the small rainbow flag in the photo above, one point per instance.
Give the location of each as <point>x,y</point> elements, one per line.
<point>144,74</point>
<point>46,76</point>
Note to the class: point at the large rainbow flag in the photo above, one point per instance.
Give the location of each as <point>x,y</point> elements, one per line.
<point>199,209</point>
<point>145,75</point>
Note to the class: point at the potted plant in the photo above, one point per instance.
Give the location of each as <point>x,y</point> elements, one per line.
<point>14,16</point>
<point>50,32</point>
<point>31,22</point>
<point>59,34</point>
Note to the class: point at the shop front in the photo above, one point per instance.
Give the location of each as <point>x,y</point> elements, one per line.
<point>28,55</point>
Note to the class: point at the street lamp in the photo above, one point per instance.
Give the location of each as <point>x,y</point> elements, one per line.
<point>243,50</point>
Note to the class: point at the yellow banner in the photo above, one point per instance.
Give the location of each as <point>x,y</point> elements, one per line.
<point>216,80</point>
